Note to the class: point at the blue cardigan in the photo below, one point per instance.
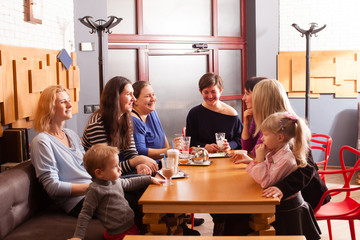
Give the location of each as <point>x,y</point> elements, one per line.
<point>202,124</point>
<point>149,134</point>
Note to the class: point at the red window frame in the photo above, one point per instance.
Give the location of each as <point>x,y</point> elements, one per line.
<point>158,44</point>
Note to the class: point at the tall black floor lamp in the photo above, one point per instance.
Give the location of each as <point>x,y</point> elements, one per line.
<point>100,26</point>
<point>308,33</point>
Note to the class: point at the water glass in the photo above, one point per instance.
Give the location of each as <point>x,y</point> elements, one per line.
<point>186,146</point>
<point>220,136</point>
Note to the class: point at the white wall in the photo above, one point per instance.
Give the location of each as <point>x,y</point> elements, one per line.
<point>55,32</point>
<point>342,21</point>
<point>327,115</point>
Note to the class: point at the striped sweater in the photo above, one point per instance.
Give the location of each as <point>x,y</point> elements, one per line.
<point>95,133</point>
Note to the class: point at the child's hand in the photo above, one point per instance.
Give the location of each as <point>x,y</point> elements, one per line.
<point>242,160</point>
<point>157,181</point>
<point>74,239</point>
<point>272,192</point>
<point>260,150</point>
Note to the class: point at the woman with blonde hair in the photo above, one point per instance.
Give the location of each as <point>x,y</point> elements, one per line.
<point>57,153</point>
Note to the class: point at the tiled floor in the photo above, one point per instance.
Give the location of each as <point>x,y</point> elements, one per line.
<point>340,229</point>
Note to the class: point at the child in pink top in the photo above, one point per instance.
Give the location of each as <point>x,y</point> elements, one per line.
<point>284,149</point>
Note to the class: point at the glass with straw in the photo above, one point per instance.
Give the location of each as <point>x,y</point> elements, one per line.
<point>168,169</point>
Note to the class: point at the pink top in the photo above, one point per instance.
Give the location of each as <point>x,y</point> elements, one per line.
<point>275,167</point>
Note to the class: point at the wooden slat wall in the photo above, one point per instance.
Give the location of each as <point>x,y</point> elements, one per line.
<point>336,72</point>
<point>24,73</point>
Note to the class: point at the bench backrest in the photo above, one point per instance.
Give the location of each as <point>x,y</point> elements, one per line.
<point>21,196</point>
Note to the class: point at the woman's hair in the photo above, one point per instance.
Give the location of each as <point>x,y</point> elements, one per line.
<point>294,129</point>
<point>138,86</point>
<point>46,107</point>
<point>97,156</point>
<point>269,97</point>
<point>210,79</point>
<point>251,82</point>
<point>118,126</point>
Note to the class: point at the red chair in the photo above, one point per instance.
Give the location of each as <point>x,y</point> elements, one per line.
<point>346,209</point>
<point>322,142</point>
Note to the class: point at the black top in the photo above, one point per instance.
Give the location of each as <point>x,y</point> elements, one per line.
<point>202,124</point>
<point>308,181</point>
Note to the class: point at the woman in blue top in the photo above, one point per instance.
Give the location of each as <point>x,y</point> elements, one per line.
<point>213,116</point>
<point>149,136</point>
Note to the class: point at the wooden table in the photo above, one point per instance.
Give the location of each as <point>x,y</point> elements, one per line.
<point>222,187</point>
<point>142,237</point>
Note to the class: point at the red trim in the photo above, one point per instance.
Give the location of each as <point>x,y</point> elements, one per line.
<point>231,97</point>
<point>131,38</point>
<point>139,17</point>
<point>214,18</point>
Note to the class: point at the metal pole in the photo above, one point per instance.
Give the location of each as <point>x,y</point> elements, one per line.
<point>307,97</point>
<point>101,65</point>
<point>308,34</point>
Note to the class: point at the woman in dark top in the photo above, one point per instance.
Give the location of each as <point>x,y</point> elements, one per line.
<point>213,116</point>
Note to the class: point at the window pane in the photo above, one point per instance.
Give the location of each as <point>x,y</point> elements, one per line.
<point>229,18</point>
<point>230,71</point>
<point>125,9</point>
<point>122,62</point>
<point>175,82</point>
<point>177,17</point>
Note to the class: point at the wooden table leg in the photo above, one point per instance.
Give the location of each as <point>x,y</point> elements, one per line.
<point>260,223</point>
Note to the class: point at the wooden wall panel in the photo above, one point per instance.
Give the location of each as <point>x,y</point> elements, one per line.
<point>331,72</point>
<point>24,73</point>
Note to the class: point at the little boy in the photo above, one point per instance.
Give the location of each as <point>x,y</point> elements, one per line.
<point>105,195</point>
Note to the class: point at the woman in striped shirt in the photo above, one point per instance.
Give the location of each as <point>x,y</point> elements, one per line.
<point>112,124</point>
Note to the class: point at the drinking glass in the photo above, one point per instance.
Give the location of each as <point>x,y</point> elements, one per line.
<point>185,146</point>
<point>220,136</point>
<point>168,169</point>
<point>174,153</point>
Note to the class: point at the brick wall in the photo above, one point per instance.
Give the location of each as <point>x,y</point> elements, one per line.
<point>341,17</point>
<point>55,32</point>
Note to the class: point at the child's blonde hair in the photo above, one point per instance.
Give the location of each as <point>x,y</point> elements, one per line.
<point>97,156</point>
<point>295,131</point>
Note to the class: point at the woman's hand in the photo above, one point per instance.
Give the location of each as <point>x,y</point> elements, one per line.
<point>272,192</point>
<point>177,143</point>
<point>143,169</point>
<point>226,146</point>
<point>157,181</point>
<point>212,148</point>
<point>248,116</point>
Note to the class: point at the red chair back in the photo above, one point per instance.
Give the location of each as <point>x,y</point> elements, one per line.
<point>323,143</point>
<point>347,208</point>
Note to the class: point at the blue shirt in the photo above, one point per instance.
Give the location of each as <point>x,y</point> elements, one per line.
<point>149,134</point>
<point>58,166</point>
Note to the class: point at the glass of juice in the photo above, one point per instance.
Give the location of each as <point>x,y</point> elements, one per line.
<point>168,169</point>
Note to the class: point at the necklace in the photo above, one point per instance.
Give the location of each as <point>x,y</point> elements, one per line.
<point>60,136</point>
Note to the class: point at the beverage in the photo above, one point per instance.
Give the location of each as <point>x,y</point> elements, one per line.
<point>183,161</point>
<point>220,140</point>
<point>220,144</point>
<point>186,147</point>
<point>174,153</point>
<point>168,172</point>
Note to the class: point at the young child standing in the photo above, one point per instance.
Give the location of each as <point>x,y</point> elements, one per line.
<point>105,195</point>
<point>285,146</point>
